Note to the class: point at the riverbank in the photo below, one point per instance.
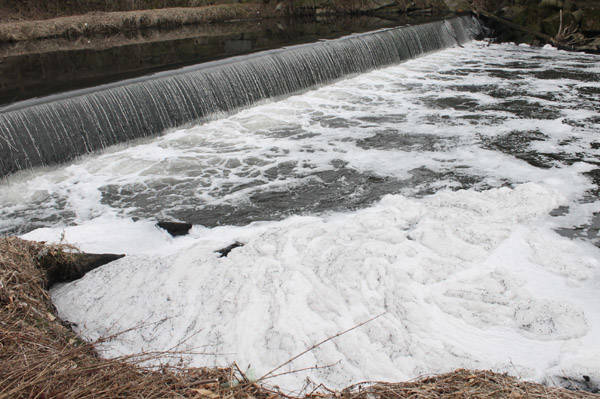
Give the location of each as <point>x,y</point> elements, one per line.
<point>30,10</point>
<point>109,23</point>
<point>18,24</point>
<point>40,9</point>
<point>43,357</point>
<point>568,24</point>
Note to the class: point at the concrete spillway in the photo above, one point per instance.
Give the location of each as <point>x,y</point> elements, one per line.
<point>58,128</point>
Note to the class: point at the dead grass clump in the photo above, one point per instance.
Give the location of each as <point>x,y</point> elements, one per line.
<point>41,357</point>
<point>472,384</point>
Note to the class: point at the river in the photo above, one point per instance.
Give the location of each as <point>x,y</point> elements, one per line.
<point>456,194</point>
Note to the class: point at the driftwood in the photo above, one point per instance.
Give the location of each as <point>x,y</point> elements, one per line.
<point>64,267</point>
<point>225,251</point>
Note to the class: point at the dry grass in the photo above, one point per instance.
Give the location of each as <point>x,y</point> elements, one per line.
<point>40,357</point>
<point>462,383</point>
<point>121,39</point>
<point>102,23</point>
<point>20,10</point>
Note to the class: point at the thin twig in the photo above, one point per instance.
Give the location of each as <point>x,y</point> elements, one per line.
<point>319,344</point>
<point>302,369</point>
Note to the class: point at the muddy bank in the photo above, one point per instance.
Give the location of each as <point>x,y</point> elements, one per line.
<point>43,9</point>
<point>99,22</point>
<point>107,23</point>
<point>21,10</point>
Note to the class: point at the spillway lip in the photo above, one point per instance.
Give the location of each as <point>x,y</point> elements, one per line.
<point>193,68</point>
<point>60,127</point>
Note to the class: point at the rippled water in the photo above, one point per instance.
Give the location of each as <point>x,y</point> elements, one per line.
<point>475,117</point>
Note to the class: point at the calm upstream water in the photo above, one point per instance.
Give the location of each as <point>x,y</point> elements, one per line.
<point>455,194</point>
<point>34,69</point>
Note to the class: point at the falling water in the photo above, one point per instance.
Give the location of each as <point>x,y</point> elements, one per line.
<point>58,128</point>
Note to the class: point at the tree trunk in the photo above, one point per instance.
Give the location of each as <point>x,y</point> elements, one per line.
<point>65,267</point>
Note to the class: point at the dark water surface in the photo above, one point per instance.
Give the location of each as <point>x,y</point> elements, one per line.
<point>34,69</point>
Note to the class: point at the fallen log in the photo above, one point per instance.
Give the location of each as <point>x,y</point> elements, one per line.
<point>62,267</point>
<point>225,251</point>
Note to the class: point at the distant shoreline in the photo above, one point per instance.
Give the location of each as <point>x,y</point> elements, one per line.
<point>110,23</point>
<point>36,22</point>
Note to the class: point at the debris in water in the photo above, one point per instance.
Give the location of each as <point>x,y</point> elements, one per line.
<point>175,228</point>
<point>225,251</point>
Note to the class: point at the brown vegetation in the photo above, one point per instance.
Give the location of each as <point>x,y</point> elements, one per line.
<point>70,19</point>
<point>115,22</point>
<point>40,357</point>
<point>15,10</point>
<point>125,39</point>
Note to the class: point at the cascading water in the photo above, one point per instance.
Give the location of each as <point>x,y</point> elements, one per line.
<point>58,128</point>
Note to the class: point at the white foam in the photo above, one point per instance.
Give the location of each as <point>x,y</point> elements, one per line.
<point>464,279</point>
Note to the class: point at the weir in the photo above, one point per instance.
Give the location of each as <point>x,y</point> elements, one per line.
<point>59,128</point>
